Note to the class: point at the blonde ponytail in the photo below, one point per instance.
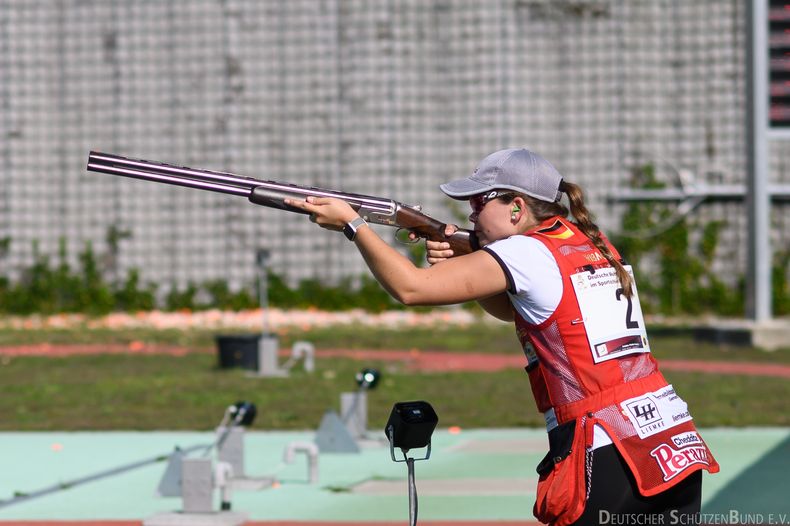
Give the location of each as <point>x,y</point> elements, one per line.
<point>543,210</point>
<point>584,221</point>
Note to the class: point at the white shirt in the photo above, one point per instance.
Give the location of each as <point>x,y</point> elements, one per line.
<point>534,287</point>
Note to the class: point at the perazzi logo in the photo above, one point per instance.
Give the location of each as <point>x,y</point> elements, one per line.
<point>674,461</point>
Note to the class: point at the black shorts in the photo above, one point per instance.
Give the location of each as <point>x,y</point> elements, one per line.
<point>615,499</point>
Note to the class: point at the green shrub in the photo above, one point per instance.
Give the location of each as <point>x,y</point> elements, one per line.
<point>685,281</point>
<point>186,299</point>
<point>221,297</point>
<point>131,296</point>
<point>48,288</point>
<point>779,282</point>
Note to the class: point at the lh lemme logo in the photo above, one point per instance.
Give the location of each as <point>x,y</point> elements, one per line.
<point>645,411</point>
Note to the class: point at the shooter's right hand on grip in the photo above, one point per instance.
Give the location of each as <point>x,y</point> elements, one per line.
<point>439,251</point>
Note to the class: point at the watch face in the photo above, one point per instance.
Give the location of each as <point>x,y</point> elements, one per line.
<point>349,232</point>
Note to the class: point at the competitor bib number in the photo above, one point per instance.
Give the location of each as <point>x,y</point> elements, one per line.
<point>614,323</point>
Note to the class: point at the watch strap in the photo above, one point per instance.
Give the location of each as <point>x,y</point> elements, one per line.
<point>350,230</point>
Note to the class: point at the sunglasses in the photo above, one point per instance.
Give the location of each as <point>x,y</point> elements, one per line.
<point>479,202</point>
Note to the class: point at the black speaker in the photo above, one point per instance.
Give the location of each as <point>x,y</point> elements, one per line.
<point>411,425</point>
<point>238,350</point>
<point>244,412</point>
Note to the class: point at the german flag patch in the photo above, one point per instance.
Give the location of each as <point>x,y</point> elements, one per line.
<point>558,230</point>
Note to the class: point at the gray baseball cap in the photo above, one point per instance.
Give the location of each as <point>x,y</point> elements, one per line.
<point>514,169</point>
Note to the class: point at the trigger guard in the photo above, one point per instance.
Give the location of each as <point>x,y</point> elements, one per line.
<point>399,230</point>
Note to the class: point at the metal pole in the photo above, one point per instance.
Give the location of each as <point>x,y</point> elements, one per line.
<point>412,493</point>
<point>758,278</point>
<point>262,258</point>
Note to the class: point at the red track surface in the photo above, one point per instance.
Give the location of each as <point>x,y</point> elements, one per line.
<point>418,360</point>
<point>444,361</point>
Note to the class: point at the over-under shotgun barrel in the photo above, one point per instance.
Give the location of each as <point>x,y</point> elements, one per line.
<point>272,194</point>
<point>268,193</point>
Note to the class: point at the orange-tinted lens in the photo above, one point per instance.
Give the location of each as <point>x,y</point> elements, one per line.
<point>477,203</point>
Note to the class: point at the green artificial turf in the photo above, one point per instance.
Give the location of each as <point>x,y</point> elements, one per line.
<point>147,392</point>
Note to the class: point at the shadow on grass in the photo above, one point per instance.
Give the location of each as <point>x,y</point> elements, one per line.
<point>760,489</point>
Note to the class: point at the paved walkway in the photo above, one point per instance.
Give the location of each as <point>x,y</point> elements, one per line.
<point>485,475</point>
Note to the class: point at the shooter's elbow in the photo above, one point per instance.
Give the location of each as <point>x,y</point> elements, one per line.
<point>409,298</point>
<point>405,289</point>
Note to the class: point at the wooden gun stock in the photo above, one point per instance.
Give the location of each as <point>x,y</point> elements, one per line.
<point>461,242</point>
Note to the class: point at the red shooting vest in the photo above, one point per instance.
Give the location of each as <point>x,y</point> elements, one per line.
<point>564,376</point>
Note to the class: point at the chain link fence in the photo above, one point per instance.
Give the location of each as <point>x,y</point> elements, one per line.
<point>383,97</point>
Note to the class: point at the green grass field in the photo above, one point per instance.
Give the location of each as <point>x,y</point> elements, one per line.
<point>147,392</point>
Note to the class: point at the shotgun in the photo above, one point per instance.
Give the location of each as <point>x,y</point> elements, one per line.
<point>376,210</point>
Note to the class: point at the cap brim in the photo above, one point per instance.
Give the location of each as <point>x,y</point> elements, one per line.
<point>464,188</point>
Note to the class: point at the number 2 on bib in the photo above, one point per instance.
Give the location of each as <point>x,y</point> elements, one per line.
<point>629,323</point>
<point>614,322</point>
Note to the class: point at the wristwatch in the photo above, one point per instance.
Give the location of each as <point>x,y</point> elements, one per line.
<point>350,230</point>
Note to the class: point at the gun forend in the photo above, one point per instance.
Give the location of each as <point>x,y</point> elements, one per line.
<point>373,209</point>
